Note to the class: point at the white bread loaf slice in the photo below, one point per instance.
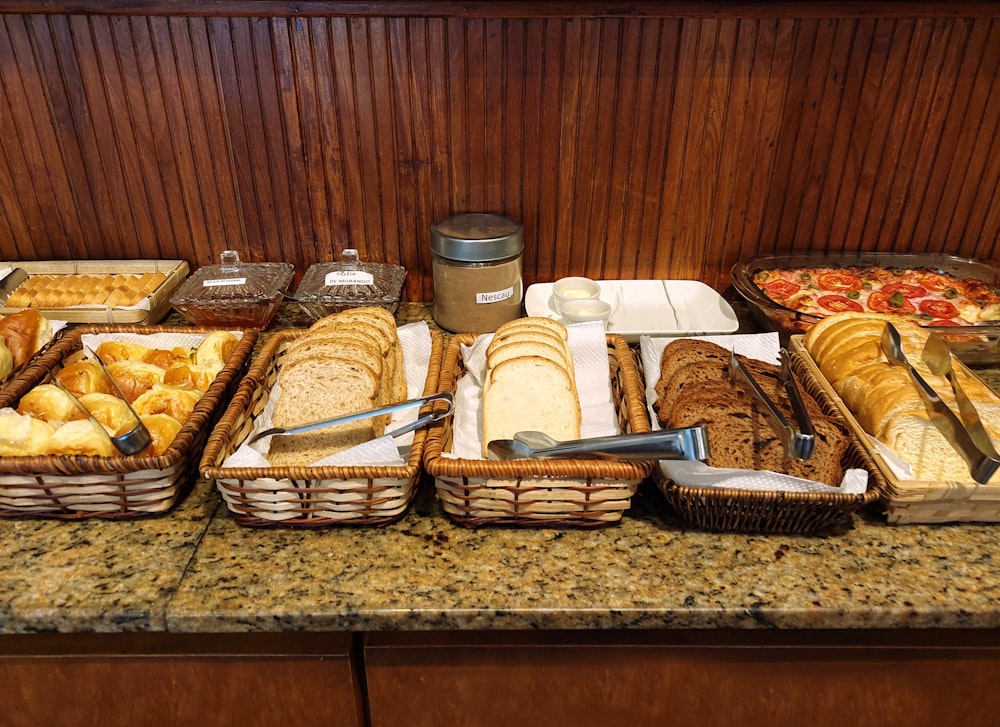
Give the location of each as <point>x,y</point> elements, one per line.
<point>534,322</point>
<point>531,347</point>
<point>530,393</point>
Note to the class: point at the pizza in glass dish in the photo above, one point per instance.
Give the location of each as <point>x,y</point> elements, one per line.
<point>929,297</point>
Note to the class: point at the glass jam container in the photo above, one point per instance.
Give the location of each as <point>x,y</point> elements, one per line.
<point>477,271</point>
<point>233,294</point>
<point>328,288</point>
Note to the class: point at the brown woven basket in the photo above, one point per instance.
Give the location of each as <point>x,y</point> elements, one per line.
<point>912,501</point>
<point>540,493</point>
<point>722,509</point>
<point>307,496</point>
<point>73,487</point>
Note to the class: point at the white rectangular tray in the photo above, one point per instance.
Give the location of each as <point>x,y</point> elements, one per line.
<point>650,307</point>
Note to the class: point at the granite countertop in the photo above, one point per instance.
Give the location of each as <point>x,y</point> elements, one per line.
<point>196,570</point>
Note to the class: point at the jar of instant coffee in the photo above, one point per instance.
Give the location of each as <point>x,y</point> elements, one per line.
<point>477,271</point>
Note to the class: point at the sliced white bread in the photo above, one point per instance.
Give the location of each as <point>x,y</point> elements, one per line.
<point>531,347</point>
<point>530,394</point>
<point>535,322</point>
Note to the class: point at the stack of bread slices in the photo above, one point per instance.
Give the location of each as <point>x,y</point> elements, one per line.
<point>694,388</point>
<point>345,363</point>
<point>883,399</point>
<point>530,383</point>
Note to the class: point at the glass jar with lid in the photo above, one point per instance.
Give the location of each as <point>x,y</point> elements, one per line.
<point>233,293</point>
<point>477,271</point>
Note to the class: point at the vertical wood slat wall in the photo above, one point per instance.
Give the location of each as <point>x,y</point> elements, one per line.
<point>629,147</point>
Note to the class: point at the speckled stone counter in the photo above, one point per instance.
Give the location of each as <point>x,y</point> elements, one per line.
<point>196,571</point>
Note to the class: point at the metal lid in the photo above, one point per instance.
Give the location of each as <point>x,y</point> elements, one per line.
<point>477,237</point>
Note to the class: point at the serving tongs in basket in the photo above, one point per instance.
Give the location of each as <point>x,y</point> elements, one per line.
<point>799,442</point>
<point>135,439</point>
<point>966,434</point>
<point>685,443</point>
<point>426,419</point>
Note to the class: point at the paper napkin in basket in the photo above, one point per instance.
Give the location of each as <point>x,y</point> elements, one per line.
<point>415,340</point>
<point>589,348</point>
<point>763,347</point>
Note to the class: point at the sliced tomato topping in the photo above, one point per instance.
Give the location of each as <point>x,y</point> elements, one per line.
<point>839,280</point>
<point>895,303</point>
<point>781,290</point>
<point>937,281</point>
<point>938,308</point>
<point>839,303</point>
<point>908,290</point>
<point>944,322</point>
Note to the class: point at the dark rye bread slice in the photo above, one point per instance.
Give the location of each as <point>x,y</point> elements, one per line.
<point>740,436</point>
<point>684,351</point>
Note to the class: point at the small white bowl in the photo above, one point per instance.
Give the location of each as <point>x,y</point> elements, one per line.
<point>574,288</point>
<point>584,310</point>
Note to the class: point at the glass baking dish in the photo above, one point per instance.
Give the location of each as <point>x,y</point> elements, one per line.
<point>978,344</point>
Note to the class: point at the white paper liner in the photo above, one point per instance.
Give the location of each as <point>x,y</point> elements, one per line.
<point>589,348</point>
<point>415,340</point>
<point>763,347</point>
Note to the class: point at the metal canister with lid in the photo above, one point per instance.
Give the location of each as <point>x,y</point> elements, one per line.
<point>477,271</point>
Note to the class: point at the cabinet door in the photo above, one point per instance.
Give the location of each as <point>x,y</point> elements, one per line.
<point>164,679</point>
<point>711,678</point>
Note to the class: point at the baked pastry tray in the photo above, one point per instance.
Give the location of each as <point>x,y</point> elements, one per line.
<point>150,310</point>
<point>650,307</point>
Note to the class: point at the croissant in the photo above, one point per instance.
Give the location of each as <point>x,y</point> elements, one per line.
<point>135,378</point>
<point>25,333</point>
<point>190,375</point>
<point>84,377</point>
<point>176,401</point>
<point>216,348</point>
<point>165,359</point>
<point>163,429</point>
<point>81,436</point>
<point>109,410</point>
<point>49,403</point>
<point>22,435</point>
<point>112,351</point>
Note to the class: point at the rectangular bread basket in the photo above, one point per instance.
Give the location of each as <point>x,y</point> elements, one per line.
<point>307,496</point>
<point>73,487</point>
<point>721,509</point>
<point>153,308</point>
<point>913,501</point>
<point>540,493</point>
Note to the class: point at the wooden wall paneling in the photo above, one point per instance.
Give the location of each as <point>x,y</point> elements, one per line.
<point>512,160</point>
<point>949,110</point>
<point>974,82</point>
<point>980,182</point>
<point>531,164</point>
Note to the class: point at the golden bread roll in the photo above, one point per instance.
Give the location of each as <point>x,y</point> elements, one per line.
<point>165,359</point>
<point>22,435</point>
<point>110,411</point>
<point>24,333</point>
<point>50,404</point>
<point>216,348</point>
<point>135,378</point>
<point>112,351</point>
<point>176,401</point>
<point>163,429</point>
<point>6,359</point>
<point>85,377</point>
<point>81,436</point>
<point>190,375</point>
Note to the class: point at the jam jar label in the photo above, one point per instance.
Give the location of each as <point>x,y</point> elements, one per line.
<point>349,277</point>
<point>497,296</point>
<point>217,282</point>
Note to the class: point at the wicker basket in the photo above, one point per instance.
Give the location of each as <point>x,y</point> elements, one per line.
<point>751,511</point>
<point>554,492</point>
<point>75,487</point>
<point>159,299</point>
<point>913,501</point>
<point>306,496</point>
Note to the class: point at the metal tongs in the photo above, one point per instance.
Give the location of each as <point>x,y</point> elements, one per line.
<point>966,434</point>
<point>135,439</point>
<point>799,443</point>
<point>348,418</point>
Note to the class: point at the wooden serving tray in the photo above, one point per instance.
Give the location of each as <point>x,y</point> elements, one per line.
<point>158,301</point>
